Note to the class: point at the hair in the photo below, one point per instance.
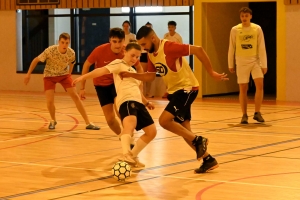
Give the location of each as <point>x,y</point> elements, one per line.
<point>148,23</point>
<point>65,36</point>
<point>144,31</point>
<point>245,10</point>
<point>134,41</point>
<point>172,23</point>
<point>126,21</point>
<point>133,45</point>
<point>117,33</point>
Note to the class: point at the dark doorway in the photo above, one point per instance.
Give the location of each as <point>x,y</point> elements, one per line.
<point>264,14</point>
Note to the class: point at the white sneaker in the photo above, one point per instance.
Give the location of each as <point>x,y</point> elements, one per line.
<point>128,158</point>
<point>138,163</point>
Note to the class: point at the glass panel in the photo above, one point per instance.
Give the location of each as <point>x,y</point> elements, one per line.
<point>35,37</point>
<point>176,9</point>
<point>116,21</point>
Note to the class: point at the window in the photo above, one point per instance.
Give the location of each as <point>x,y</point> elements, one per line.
<point>144,9</point>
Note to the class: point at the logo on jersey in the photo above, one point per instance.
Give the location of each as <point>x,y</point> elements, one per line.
<point>161,69</point>
<point>247,38</point>
<point>246,46</point>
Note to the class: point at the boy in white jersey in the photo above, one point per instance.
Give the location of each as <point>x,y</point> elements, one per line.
<point>60,60</point>
<point>247,46</point>
<point>172,35</point>
<point>167,58</point>
<point>130,103</point>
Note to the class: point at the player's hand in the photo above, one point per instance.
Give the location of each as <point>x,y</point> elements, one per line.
<point>26,79</point>
<point>150,105</point>
<point>124,74</point>
<point>232,70</point>
<point>264,70</point>
<point>76,80</point>
<point>220,77</point>
<point>82,94</point>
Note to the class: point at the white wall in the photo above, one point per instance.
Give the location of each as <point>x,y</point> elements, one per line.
<point>292,53</point>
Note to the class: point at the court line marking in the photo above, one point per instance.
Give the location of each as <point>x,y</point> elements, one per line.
<point>157,167</point>
<point>145,174</point>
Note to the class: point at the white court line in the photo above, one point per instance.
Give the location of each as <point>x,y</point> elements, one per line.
<point>160,176</point>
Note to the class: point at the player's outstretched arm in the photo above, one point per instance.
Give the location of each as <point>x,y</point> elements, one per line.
<point>149,76</point>
<point>33,64</point>
<point>93,74</point>
<point>203,57</point>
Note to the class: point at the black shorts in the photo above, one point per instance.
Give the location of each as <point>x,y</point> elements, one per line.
<point>144,57</point>
<point>137,109</point>
<point>106,94</point>
<point>180,104</point>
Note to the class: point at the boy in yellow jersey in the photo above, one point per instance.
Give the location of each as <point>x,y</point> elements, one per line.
<point>167,58</point>
<point>247,46</point>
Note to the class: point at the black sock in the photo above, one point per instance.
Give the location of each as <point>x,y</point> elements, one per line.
<point>255,113</point>
<point>208,158</point>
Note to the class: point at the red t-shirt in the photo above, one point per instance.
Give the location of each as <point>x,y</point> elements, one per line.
<point>102,56</point>
<point>173,51</point>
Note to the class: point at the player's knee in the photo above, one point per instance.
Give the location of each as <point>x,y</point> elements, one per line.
<point>152,134</point>
<point>163,122</point>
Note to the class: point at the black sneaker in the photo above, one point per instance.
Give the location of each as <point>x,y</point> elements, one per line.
<point>257,116</point>
<point>207,166</point>
<point>201,146</point>
<point>52,125</point>
<point>244,119</point>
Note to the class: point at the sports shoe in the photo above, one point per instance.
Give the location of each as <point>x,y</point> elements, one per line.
<point>257,116</point>
<point>201,146</point>
<point>244,119</point>
<point>138,163</point>
<point>92,127</point>
<point>128,158</point>
<point>207,166</point>
<point>52,124</point>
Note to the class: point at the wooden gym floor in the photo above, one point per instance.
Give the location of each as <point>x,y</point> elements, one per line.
<point>257,161</point>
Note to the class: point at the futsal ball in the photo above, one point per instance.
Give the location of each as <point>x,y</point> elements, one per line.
<point>121,171</point>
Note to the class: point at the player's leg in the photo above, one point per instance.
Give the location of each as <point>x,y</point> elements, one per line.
<point>243,101</point>
<point>106,96</point>
<point>49,87</point>
<point>71,90</point>
<point>51,107</point>
<point>128,115</point>
<point>259,91</point>
<point>145,122</point>
<point>174,114</point>
<point>209,162</point>
<point>243,75</point>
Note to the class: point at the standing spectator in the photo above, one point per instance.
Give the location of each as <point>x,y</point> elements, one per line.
<point>128,35</point>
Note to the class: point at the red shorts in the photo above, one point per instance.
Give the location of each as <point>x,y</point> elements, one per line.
<point>65,81</point>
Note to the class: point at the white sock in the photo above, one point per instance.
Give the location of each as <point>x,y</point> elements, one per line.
<point>138,147</point>
<point>125,142</point>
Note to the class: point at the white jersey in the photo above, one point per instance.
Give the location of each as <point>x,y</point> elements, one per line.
<point>129,37</point>
<point>260,57</point>
<point>175,38</point>
<point>127,89</point>
<point>57,64</point>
